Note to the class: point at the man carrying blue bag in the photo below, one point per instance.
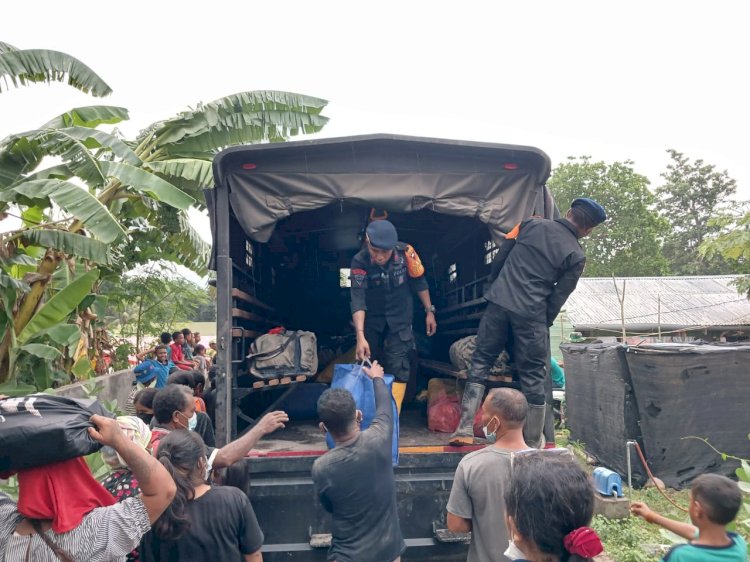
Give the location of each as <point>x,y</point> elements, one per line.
<point>355,481</point>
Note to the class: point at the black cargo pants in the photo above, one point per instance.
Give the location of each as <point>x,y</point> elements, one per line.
<point>391,349</point>
<point>530,350</point>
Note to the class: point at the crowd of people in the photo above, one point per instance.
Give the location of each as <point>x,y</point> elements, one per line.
<point>173,496</point>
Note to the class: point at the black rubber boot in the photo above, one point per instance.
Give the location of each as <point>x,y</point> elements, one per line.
<point>533,430</point>
<point>472,400</point>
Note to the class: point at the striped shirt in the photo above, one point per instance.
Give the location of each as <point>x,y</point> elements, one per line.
<point>105,534</point>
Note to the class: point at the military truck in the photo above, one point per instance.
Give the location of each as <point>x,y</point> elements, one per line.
<point>286,220</point>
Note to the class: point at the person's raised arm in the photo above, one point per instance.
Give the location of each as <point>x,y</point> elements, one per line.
<point>157,487</point>
<point>237,449</point>
<point>685,530</point>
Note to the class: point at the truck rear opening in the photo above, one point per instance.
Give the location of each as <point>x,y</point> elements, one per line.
<point>286,221</point>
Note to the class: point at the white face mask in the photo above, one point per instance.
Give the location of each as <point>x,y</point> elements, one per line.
<point>491,437</point>
<point>513,552</point>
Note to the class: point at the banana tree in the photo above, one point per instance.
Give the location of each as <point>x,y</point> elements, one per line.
<point>120,203</point>
<point>22,66</point>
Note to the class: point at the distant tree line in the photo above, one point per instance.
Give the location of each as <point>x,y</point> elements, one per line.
<point>690,224</point>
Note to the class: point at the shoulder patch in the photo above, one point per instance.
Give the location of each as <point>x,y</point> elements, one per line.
<point>413,263</point>
<point>358,277</point>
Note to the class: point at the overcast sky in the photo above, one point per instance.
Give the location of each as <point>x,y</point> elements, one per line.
<point>612,80</point>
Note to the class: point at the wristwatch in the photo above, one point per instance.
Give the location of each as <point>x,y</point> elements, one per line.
<point>431,309</point>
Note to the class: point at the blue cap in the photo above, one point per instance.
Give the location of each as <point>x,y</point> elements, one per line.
<point>593,210</point>
<point>382,235</point>
<point>146,376</point>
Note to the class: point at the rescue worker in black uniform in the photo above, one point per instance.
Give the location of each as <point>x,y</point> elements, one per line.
<point>383,276</point>
<point>532,275</point>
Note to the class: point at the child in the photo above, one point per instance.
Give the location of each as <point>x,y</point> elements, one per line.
<point>714,503</point>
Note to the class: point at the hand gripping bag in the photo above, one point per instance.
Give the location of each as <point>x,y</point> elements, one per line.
<point>356,381</point>
<point>39,429</point>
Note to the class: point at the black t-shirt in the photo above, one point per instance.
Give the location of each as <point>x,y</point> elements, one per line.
<point>355,484</point>
<point>222,527</point>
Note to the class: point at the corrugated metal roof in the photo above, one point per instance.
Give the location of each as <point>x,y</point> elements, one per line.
<point>685,302</point>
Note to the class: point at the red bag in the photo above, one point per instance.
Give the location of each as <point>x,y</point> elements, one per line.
<point>443,413</point>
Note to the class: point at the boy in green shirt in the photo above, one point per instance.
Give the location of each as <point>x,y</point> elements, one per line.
<point>714,503</point>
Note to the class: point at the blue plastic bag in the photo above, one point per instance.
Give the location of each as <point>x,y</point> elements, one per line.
<point>356,381</point>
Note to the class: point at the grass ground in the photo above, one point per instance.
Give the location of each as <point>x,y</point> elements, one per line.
<point>632,539</point>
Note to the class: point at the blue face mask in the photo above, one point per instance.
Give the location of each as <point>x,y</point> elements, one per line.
<point>490,436</point>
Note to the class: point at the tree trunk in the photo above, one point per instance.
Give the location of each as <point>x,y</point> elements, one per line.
<point>28,306</point>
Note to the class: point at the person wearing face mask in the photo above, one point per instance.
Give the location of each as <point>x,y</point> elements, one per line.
<point>476,499</point>
<point>203,522</point>
<point>143,403</point>
<point>174,409</point>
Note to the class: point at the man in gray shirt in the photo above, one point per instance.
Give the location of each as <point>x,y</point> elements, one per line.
<point>354,481</point>
<point>477,501</point>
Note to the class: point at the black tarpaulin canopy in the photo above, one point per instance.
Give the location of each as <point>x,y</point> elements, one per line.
<point>498,184</point>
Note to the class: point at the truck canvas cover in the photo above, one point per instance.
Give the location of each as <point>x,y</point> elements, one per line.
<point>495,183</point>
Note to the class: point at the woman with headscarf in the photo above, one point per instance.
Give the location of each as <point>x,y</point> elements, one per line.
<point>203,522</point>
<point>63,513</point>
<point>122,483</point>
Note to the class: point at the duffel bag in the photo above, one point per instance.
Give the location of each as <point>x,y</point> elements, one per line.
<point>39,429</point>
<point>275,355</point>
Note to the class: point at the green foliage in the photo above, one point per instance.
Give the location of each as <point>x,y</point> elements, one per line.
<point>154,301</point>
<point>21,67</point>
<point>623,539</point>
<point>696,200</point>
<point>115,203</point>
<point>629,243</point>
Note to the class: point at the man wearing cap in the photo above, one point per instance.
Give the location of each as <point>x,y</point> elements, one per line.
<point>532,275</point>
<point>158,368</point>
<point>383,276</point>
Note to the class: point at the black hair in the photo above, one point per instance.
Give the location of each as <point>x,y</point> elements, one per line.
<point>165,338</point>
<point>145,397</point>
<point>198,348</point>
<point>549,497</point>
<point>176,335</point>
<point>510,404</point>
<point>180,452</point>
<point>186,332</point>
<point>170,399</point>
<point>719,497</point>
<point>158,347</point>
<point>198,379</point>
<point>581,219</point>
<point>236,475</point>
<point>213,372</point>
<point>337,410</point>
<point>184,378</point>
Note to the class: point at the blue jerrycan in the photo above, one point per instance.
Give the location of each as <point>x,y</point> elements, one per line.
<point>607,482</point>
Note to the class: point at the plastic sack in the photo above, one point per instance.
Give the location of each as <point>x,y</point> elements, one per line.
<point>354,379</point>
<point>444,413</point>
<point>443,405</point>
<point>39,429</point>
